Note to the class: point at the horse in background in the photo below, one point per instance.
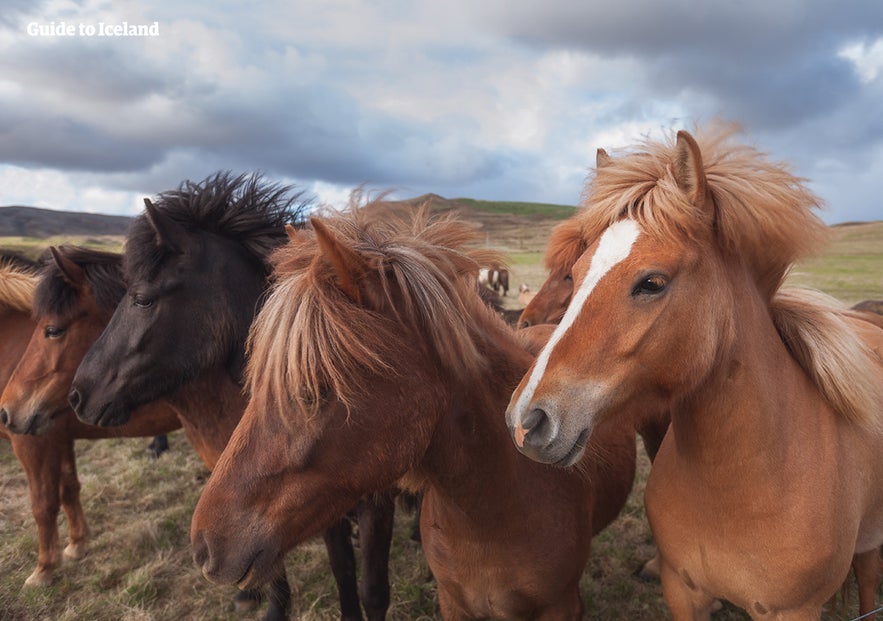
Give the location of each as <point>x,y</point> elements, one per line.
<point>48,460</point>
<point>374,361</point>
<point>767,486</point>
<point>496,278</point>
<point>196,272</point>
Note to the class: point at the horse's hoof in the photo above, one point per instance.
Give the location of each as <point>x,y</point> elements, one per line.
<point>40,578</point>
<point>75,551</point>
<point>649,571</point>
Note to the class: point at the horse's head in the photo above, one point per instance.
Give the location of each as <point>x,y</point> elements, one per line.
<point>195,272</point>
<point>566,244</point>
<point>76,293</point>
<point>367,312</point>
<point>667,257</point>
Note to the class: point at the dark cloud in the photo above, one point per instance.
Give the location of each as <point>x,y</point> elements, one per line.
<point>764,63</point>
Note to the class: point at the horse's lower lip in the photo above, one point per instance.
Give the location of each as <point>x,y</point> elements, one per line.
<point>578,446</point>
<point>247,579</point>
<point>104,418</point>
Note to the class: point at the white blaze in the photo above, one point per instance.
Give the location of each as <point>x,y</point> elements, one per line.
<point>614,246</point>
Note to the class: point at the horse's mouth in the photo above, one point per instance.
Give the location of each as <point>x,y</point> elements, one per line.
<point>109,416</point>
<point>256,571</point>
<point>575,451</point>
<point>246,580</point>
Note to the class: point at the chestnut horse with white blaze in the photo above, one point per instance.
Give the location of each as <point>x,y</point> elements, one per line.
<point>768,483</point>
<point>374,361</point>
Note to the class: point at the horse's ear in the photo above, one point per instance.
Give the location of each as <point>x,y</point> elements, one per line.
<point>168,232</point>
<point>70,271</point>
<point>349,266</point>
<point>689,170</point>
<point>290,231</point>
<point>602,159</point>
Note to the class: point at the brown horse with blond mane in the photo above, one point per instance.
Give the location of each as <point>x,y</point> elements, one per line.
<point>375,361</point>
<point>768,483</point>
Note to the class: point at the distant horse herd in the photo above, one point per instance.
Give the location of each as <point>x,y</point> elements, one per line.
<point>321,364</point>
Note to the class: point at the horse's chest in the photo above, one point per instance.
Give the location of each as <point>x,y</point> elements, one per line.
<point>751,546</point>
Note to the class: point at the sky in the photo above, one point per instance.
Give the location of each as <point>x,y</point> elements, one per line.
<point>487,99</point>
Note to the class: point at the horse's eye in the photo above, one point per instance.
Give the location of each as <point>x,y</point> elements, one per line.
<point>142,301</point>
<point>52,332</point>
<point>650,285</point>
<point>568,278</point>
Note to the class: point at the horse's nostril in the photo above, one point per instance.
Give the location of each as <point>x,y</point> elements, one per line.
<point>4,417</point>
<point>200,549</point>
<point>536,427</point>
<point>524,324</point>
<point>534,419</point>
<point>75,400</point>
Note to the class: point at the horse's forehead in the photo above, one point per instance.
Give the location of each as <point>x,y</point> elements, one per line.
<point>613,247</point>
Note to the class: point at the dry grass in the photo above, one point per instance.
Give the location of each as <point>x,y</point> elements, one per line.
<point>139,566</point>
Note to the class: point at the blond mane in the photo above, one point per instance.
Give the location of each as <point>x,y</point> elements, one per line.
<point>310,337</point>
<point>815,328</point>
<point>762,212</point>
<point>17,287</point>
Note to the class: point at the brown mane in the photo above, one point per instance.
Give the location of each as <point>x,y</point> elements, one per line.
<point>309,334</point>
<point>566,244</point>
<point>762,212</point>
<point>17,286</point>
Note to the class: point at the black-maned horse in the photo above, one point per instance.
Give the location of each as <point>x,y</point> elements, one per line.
<point>196,269</point>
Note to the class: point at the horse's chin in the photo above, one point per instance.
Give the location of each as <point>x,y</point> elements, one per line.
<point>562,452</point>
<point>110,414</point>
<point>249,571</point>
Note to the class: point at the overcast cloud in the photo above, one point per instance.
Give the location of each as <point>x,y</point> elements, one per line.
<point>496,99</point>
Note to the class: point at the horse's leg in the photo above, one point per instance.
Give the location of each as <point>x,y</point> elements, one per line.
<point>42,465</point>
<point>280,597</point>
<point>868,569</point>
<point>157,446</point>
<point>376,516</point>
<point>69,492</point>
<point>652,433</point>
<point>415,527</point>
<point>246,600</point>
<point>339,544</point>
<point>685,601</point>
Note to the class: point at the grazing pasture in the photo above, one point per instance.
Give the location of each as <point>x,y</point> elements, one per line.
<point>139,566</point>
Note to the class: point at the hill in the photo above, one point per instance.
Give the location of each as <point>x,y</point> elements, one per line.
<point>509,226</point>
<point>17,221</point>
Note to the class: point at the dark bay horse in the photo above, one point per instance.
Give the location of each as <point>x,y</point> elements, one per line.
<point>374,361</point>
<point>768,485</point>
<point>196,273</point>
<point>48,460</point>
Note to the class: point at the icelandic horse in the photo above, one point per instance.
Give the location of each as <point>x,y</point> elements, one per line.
<point>768,482</point>
<point>48,459</point>
<point>373,361</point>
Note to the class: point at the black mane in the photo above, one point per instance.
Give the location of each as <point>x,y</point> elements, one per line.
<point>102,270</point>
<point>18,261</point>
<point>243,208</point>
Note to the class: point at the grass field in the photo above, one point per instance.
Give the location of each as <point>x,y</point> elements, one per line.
<point>139,565</point>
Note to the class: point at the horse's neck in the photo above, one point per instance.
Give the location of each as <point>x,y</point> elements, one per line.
<point>15,332</point>
<point>752,407</point>
<point>209,408</point>
<point>471,460</point>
